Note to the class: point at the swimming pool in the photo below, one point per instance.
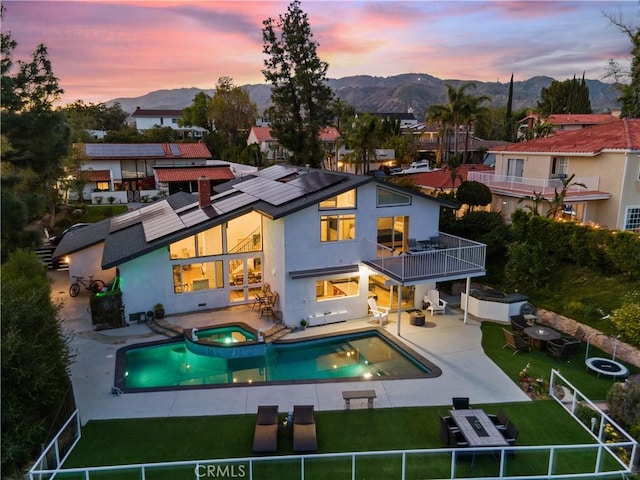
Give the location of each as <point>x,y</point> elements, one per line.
<point>364,354</point>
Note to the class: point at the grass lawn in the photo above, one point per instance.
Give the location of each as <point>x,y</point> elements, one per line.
<point>541,422</point>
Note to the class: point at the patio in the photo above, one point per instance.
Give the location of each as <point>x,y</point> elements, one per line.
<point>444,339</point>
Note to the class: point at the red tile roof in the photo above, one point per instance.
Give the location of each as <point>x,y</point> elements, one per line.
<point>263,134</point>
<point>618,135</point>
<point>442,178</point>
<point>186,174</point>
<point>99,175</point>
<point>575,118</point>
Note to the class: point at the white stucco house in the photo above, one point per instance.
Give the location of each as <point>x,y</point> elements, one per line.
<point>324,241</point>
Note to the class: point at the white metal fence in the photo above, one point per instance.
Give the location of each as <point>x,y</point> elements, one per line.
<point>611,457</point>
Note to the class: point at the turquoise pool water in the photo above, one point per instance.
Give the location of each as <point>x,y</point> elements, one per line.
<point>363,355</point>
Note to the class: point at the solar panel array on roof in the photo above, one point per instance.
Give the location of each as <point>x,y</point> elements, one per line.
<point>276,172</point>
<point>160,220</point>
<point>199,215</point>
<point>314,181</point>
<point>270,191</point>
<point>125,220</point>
<point>124,150</point>
<point>175,149</point>
<point>233,202</point>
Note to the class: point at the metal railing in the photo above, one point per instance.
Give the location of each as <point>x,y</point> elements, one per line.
<point>50,462</point>
<point>545,186</point>
<point>457,257</point>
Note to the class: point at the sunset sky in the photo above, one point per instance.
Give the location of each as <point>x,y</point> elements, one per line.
<point>106,50</point>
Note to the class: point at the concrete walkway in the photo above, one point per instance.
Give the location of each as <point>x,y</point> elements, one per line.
<point>445,340</point>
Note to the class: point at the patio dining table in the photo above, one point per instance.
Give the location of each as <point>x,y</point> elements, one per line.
<point>541,335</point>
<point>477,428</point>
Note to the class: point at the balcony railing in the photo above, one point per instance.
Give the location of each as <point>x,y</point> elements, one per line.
<point>525,185</point>
<point>454,258</point>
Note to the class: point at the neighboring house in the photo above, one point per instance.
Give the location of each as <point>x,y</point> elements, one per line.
<point>442,180</point>
<point>605,158</point>
<point>406,119</point>
<point>126,172</point>
<point>324,241</point>
<point>566,122</point>
<point>273,152</point>
<point>146,119</point>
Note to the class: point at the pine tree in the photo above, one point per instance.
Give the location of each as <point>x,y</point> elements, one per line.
<point>302,101</point>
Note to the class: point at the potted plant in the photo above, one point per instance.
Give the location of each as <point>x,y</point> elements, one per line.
<point>149,315</point>
<point>303,324</point>
<point>158,310</point>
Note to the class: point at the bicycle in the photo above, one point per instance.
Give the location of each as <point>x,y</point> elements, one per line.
<point>92,285</point>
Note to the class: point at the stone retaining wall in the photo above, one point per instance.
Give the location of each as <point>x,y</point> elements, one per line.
<point>604,342</point>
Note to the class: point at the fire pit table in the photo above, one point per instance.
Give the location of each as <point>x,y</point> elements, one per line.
<point>416,317</point>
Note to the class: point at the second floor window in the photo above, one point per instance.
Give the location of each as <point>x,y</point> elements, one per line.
<point>559,165</point>
<point>335,228</point>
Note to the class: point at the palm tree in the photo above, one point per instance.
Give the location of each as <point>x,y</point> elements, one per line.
<point>364,138</point>
<point>472,109</point>
<point>440,115</point>
<point>557,204</point>
<point>535,200</point>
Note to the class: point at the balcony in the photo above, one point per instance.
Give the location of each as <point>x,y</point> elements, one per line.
<point>509,184</point>
<point>454,258</point>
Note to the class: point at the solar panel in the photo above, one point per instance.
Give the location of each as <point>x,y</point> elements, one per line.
<point>199,215</point>
<point>159,220</point>
<point>125,220</point>
<point>276,172</point>
<point>124,150</point>
<point>315,181</point>
<point>232,203</point>
<point>175,150</point>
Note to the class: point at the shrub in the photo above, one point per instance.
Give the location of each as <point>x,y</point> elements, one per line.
<point>626,319</point>
<point>574,307</point>
<point>623,400</point>
<point>528,266</point>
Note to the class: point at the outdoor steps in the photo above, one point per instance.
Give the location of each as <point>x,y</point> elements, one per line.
<point>163,327</point>
<point>276,332</point>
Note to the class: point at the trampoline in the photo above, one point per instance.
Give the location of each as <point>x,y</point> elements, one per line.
<point>606,367</point>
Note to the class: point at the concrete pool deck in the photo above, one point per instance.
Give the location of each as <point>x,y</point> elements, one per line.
<point>445,340</point>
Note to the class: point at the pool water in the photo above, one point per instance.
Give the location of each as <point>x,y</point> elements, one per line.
<point>231,334</point>
<point>365,355</point>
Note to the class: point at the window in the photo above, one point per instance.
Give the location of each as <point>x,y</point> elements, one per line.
<point>337,288</point>
<point>334,228</point>
<point>515,167</point>
<point>197,276</point>
<point>632,219</point>
<point>388,198</point>
<point>344,200</point>
<point>102,186</point>
<point>174,121</point>
<point>559,165</point>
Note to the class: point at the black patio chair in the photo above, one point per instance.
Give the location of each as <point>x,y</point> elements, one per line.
<point>460,403</point>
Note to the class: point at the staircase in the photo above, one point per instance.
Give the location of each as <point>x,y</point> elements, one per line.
<point>45,253</point>
<point>275,333</point>
<point>163,327</point>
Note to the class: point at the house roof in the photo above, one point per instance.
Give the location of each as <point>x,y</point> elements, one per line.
<point>274,192</point>
<point>623,135</point>
<point>575,118</point>
<point>186,174</point>
<point>99,175</point>
<point>263,134</point>
<point>442,178</point>
<point>156,113</point>
<point>128,151</point>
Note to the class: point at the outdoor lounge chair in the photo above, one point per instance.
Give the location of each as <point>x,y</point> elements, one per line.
<point>379,313</point>
<point>436,304</point>
<point>515,342</point>
<point>562,348</point>
<point>265,437</point>
<point>304,429</point>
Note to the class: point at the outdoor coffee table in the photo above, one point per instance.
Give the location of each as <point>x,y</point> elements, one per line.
<point>541,335</point>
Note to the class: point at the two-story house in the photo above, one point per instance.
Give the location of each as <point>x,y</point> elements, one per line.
<point>146,119</point>
<point>273,152</point>
<point>566,122</point>
<point>129,172</point>
<point>324,241</point>
<point>604,158</point>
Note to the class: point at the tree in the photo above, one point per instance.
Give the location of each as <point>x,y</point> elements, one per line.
<point>629,94</point>
<point>35,360</point>
<point>509,124</point>
<point>198,113</point>
<point>83,117</point>
<point>570,96</point>
<point>232,111</point>
<point>363,138</point>
<point>541,128</point>
<point>301,99</point>
<point>473,194</point>
<point>534,202</point>
<point>472,109</point>
<point>557,204</point>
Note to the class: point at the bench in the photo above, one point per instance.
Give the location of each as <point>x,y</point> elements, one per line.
<point>349,395</point>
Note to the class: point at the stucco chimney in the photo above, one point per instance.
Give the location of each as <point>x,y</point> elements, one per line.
<point>204,192</point>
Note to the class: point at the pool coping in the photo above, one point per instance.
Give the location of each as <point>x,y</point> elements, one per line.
<point>120,363</point>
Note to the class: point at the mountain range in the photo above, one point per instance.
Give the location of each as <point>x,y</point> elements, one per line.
<point>398,93</point>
